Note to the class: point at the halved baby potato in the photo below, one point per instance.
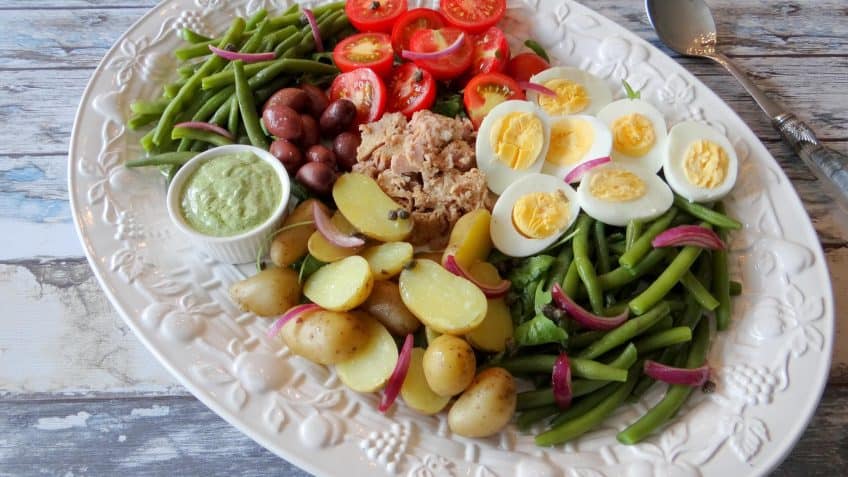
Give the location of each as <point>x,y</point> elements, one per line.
<point>362,202</point>
<point>372,365</point>
<point>290,245</point>
<point>470,241</point>
<point>441,300</point>
<point>326,337</point>
<point>385,304</point>
<point>326,251</point>
<point>496,329</point>
<point>341,285</point>
<point>416,393</point>
<point>387,259</point>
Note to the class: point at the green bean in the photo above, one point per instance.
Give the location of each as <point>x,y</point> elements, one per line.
<point>531,416</point>
<point>560,267</point>
<point>714,217</point>
<point>666,281</point>
<point>265,71</point>
<point>214,103</point>
<point>200,135</point>
<point>266,92</point>
<point>697,290</point>
<point>222,115</point>
<point>254,20</point>
<point>247,106</point>
<point>642,245</point>
<point>583,423</point>
<point>585,269</point>
<point>664,339</point>
<point>293,8</point>
<point>327,27</point>
<point>169,116</point>
<point>138,121</point>
<point>328,7</point>
<point>192,36</point>
<point>571,282</point>
<point>583,405</point>
<point>285,20</point>
<point>674,397</point>
<point>582,387</point>
<point>618,247</point>
<point>692,312</point>
<point>270,41</point>
<point>664,324</point>
<point>535,398</point>
<point>735,288</point>
<point>233,118</point>
<point>146,141</point>
<point>289,42</point>
<point>169,91</point>
<point>621,276</point>
<point>195,50</point>
<point>626,332</point>
<point>186,144</point>
<point>165,159</point>
<point>721,280</point>
<point>150,107</point>
<point>632,232</point>
<point>584,368</point>
<point>601,248</point>
<point>584,339</point>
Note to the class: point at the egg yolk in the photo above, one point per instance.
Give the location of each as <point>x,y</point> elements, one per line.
<point>570,141</point>
<point>633,134</point>
<point>541,214</point>
<point>616,185</point>
<point>705,164</point>
<point>517,139</point>
<point>570,97</point>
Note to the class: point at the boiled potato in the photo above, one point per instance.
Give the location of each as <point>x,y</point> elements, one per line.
<point>449,365</point>
<point>367,207</point>
<point>388,259</point>
<point>430,334</point>
<point>373,364</point>
<point>290,245</point>
<point>270,292</point>
<point>485,272</point>
<point>469,239</point>
<point>486,406</point>
<point>341,285</point>
<point>385,304</point>
<point>327,337</point>
<point>496,330</point>
<point>441,300</point>
<point>324,250</point>
<point>416,393</point>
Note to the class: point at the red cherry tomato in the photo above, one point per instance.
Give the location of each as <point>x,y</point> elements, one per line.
<point>411,88</point>
<point>473,16</point>
<point>410,22</point>
<point>487,90</point>
<point>522,66</point>
<point>491,52</point>
<point>374,15</point>
<point>446,67</point>
<point>364,89</point>
<point>365,50</point>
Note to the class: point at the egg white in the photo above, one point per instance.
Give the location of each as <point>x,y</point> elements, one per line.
<point>657,199</point>
<point>601,145</point>
<point>498,175</point>
<point>599,93</point>
<point>679,139</point>
<point>653,159</point>
<point>505,236</point>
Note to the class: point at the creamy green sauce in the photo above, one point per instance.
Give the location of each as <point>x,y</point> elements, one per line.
<point>230,194</point>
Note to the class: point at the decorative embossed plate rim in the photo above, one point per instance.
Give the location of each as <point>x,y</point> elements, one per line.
<point>175,300</point>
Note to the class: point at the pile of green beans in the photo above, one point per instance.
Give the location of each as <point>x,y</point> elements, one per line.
<point>212,89</point>
<point>667,292</point>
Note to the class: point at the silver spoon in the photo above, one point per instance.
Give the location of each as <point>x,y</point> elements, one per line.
<point>687,27</point>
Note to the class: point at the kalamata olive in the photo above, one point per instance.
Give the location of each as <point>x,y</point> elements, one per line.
<point>311,133</point>
<point>282,121</point>
<point>318,99</point>
<point>338,116</point>
<point>345,145</point>
<point>294,98</point>
<point>319,153</point>
<point>288,154</point>
<point>317,177</point>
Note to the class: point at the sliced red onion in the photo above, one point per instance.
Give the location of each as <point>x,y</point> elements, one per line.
<point>584,317</point>
<point>395,382</point>
<point>689,235</point>
<point>541,89</point>
<point>214,128</point>
<point>330,232</point>
<point>578,172</point>
<point>245,57</point>
<point>313,25</point>
<point>561,381</point>
<point>671,375</point>
<point>491,291</point>
<point>293,312</point>
<point>433,55</point>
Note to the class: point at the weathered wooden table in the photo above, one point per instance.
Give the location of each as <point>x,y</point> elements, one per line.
<point>78,393</point>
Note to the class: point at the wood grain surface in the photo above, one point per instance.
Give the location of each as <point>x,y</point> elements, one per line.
<point>79,395</point>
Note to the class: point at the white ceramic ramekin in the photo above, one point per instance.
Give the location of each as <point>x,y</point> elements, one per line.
<point>233,249</point>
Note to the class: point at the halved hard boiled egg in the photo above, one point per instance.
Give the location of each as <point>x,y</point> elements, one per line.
<point>700,163</point>
<point>575,140</point>
<point>531,214</point>
<point>638,132</point>
<point>577,92</point>
<point>512,142</point>
<point>617,193</point>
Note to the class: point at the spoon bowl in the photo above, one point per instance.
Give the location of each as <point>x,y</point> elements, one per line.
<point>686,26</point>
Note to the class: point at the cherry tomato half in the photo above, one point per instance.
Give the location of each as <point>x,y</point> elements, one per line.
<point>365,89</point>
<point>410,22</point>
<point>374,15</point>
<point>487,90</point>
<point>524,65</point>
<point>491,52</point>
<point>411,88</point>
<point>446,67</point>
<point>473,16</point>
<point>365,50</point>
